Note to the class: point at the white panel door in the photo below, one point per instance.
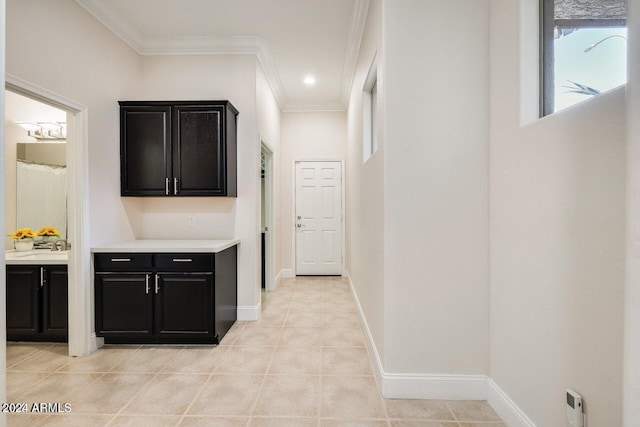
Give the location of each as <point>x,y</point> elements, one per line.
<point>318,218</point>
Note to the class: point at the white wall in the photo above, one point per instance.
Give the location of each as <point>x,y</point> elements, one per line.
<point>631,373</point>
<point>88,64</point>
<point>58,46</point>
<point>269,123</point>
<point>304,136</point>
<point>436,190</point>
<point>214,77</point>
<point>557,241</point>
<point>365,188</point>
<point>3,287</point>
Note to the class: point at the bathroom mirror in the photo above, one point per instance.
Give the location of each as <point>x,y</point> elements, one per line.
<point>35,166</point>
<point>41,186</point>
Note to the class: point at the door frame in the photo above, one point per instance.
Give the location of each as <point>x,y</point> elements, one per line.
<point>269,244</point>
<point>342,202</point>
<point>82,339</point>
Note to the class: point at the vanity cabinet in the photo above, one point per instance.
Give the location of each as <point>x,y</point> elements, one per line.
<point>185,298</point>
<point>178,148</point>
<point>37,303</point>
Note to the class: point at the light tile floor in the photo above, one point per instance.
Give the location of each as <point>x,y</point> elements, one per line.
<point>304,364</point>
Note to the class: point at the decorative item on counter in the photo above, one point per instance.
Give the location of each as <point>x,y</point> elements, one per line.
<point>23,239</point>
<point>46,237</point>
<point>49,232</point>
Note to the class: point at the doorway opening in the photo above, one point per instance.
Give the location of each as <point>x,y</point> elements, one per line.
<point>266,217</point>
<point>81,341</point>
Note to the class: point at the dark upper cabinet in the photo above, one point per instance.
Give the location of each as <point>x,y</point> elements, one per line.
<point>181,148</point>
<point>145,152</point>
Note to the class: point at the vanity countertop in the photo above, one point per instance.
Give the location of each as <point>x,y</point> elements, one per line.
<point>152,245</point>
<point>36,257</point>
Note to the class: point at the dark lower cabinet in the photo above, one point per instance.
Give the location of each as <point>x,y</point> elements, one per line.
<point>124,305</point>
<point>180,299</point>
<point>185,306</point>
<point>37,303</point>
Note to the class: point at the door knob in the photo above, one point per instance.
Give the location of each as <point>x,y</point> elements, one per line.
<point>300,225</point>
<point>299,217</point>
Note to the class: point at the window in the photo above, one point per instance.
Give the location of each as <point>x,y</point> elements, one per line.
<point>370,113</point>
<point>583,50</point>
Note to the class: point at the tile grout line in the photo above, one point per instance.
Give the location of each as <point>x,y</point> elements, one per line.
<point>267,369</point>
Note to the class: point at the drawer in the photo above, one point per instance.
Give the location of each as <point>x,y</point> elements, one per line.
<point>122,262</point>
<point>183,262</point>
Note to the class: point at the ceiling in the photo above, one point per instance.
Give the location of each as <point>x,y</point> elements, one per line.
<point>291,38</point>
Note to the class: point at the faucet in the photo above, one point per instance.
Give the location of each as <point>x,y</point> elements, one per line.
<point>59,245</point>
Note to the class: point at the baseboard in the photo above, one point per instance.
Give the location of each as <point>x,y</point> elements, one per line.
<point>448,387</point>
<point>95,342</point>
<point>249,312</point>
<point>512,415</point>
<point>426,386</point>
<point>286,273</point>
<point>371,345</point>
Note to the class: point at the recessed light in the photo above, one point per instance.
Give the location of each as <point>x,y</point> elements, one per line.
<point>309,80</point>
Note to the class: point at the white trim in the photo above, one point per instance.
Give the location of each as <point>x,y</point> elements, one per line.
<point>434,386</point>
<point>510,413</point>
<point>447,387</point>
<point>286,273</point>
<point>81,322</point>
<point>371,344</point>
<point>3,197</point>
<point>235,45</point>
<point>249,312</point>
<point>358,23</point>
<point>343,270</point>
<point>270,248</point>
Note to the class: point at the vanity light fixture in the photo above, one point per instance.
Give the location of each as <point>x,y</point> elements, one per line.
<point>45,130</point>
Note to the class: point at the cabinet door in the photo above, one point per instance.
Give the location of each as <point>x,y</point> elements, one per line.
<point>124,306</point>
<point>23,306</point>
<point>184,307</point>
<point>199,157</point>
<point>145,150</point>
<point>55,313</point>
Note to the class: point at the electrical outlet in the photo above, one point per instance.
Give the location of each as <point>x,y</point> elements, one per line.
<point>575,417</point>
<point>191,220</point>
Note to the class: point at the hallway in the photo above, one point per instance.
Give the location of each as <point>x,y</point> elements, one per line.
<point>304,364</point>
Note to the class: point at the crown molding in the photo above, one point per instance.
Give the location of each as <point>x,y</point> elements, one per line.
<point>234,45</point>
<point>315,107</point>
<point>105,15</point>
<point>358,23</point>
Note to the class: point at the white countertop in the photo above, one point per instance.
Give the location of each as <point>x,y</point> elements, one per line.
<point>205,246</point>
<point>36,257</point>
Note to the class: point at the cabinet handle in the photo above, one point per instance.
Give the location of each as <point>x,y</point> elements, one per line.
<point>120,259</point>
<point>182,260</point>
<point>41,276</point>
<point>175,186</point>
<point>166,186</point>
<point>146,283</point>
<point>157,287</point>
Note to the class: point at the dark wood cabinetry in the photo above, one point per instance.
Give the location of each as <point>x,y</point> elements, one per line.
<point>165,297</point>
<point>178,148</point>
<point>37,303</point>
